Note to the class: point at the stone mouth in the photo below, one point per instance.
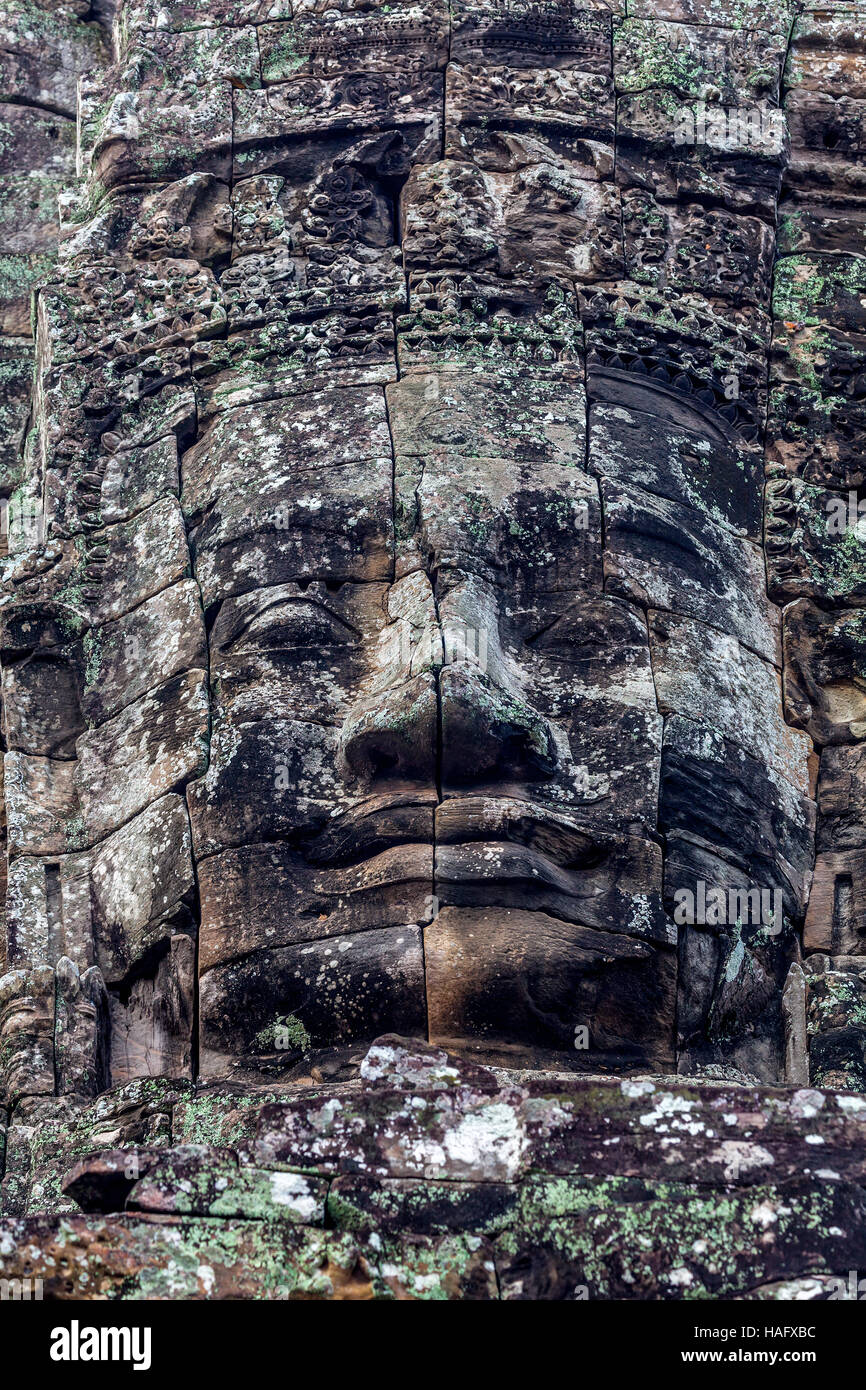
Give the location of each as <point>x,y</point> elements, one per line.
<point>557,840</point>
<point>511,880</point>
<point>411,813</point>
<point>378,823</point>
<point>478,864</point>
<point>500,850</point>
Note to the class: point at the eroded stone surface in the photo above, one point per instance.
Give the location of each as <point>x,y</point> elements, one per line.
<point>431,471</point>
<point>436,1179</point>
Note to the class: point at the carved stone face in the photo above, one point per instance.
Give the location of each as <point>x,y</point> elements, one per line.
<point>404,638</point>
<point>435,741</point>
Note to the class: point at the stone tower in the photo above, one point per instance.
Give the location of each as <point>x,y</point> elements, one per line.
<point>432,638</point>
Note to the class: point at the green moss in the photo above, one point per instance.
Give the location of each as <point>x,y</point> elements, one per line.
<point>76,833</point>
<point>43,22</point>
<point>285,58</point>
<point>803,283</point>
<point>19,275</point>
<point>652,62</point>
<point>344,1215</point>
<point>93,656</point>
<point>622,1233</point>
<point>844,565</point>
<point>72,592</point>
<point>217,1119</point>
<point>89,203</point>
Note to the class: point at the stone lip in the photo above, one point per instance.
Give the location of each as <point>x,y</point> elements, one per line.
<point>433,1177</point>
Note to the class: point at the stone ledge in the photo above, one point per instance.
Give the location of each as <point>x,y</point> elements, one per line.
<point>435,1178</point>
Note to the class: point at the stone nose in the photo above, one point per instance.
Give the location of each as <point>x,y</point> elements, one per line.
<point>489,735</point>
<point>393,734</point>
<point>391,731</point>
<point>444,703</point>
